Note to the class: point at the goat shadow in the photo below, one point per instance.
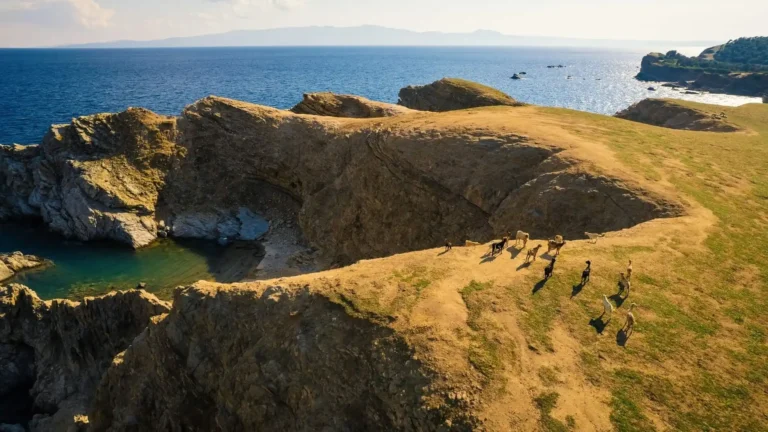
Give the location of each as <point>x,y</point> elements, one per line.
<point>618,299</point>
<point>599,324</point>
<point>513,252</point>
<point>622,337</point>
<point>546,255</point>
<point>444,252</point>
<point>523,265</point>
<point>487,258</point>
<point>539,285</point>
<point>577,289</point>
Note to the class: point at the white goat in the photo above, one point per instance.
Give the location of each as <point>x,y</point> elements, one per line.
<point>521,236</point>
<point>593,236</point>
<point>629,326</point>
<point>607,307</point>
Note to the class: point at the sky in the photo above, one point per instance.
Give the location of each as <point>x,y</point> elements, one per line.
<point>27,23</point>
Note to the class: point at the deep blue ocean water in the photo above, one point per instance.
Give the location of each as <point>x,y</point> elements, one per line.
<point>41,87</point>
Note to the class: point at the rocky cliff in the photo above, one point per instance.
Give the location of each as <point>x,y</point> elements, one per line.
<point>350,188</point>
<point>269,358</point>
<point>96,178</point>
<point>54,353</point>
<point>653,68</point>
<point>673,115</point>
<point>450,94</point>
<point>340,105</point>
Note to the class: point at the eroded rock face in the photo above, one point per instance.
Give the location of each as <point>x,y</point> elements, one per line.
<point>96,178</point>
<point>15,262</point>
<point>664,113</point>
<point>450,94</point>
<point>367,190</point>
<point>71,343</point>
<point>340,105</point>
<point>268,359</point>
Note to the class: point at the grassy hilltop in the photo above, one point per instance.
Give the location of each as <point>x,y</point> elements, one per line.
<point>697,359</point>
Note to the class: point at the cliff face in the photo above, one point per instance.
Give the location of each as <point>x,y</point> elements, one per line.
<point>96,178</point>
<point>746,84</point>
<point>339,105</point>
<point>368,190</point>
<point>56,352</point>
<point>450,94</point>
<point>272,358</point>
<point>351,188</point>
<point>666,113</point>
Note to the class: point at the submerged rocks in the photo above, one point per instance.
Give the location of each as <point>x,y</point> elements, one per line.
<point>670,114</point>
<point>15,262</point>
<point>340,105</point>
<point>72,344</point>
<point>450,94</point>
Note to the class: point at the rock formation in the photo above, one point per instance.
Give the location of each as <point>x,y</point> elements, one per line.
<point>670,114</point>
<point>450,94</point>
<point>339,105</point>
<point>96,178</point>
<point>653,68</point>
<point>351,188</point>
<point>15,262</point>
<point>271,358</point>
<point>54,353</point>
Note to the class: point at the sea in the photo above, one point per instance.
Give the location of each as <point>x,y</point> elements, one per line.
<point>41,87</point>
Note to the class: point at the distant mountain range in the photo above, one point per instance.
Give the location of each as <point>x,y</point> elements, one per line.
<point>380,36</point>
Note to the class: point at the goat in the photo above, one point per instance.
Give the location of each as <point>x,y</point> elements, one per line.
<point>522,237</point>
<point>548,270</point>
<point>623,283</point>
<point>593,236</point>
<point>629,326</point>
<point>498,247</point>
<point>448,245</point>
<point>585,273</point>
<point>557,243</point>
<point>607,307</point>
<point>532,252</point>
<point>629,270</point>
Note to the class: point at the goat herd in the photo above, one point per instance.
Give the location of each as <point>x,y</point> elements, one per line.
<point>556,244</point>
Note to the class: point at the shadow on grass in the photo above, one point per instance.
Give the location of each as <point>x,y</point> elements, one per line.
<point>539,285</point>
<point>577,289</point>
<point>618,299</point>
<point>444,252</point>
<point>622,337</point>
<point>523,265</point>
<point>487,258</point>
<point>599,324</point>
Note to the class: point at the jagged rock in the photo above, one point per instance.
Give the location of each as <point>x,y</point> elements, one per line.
<point>670,114</point>
<point>450,94</point>
<point>15,262</point>
<point>340,105</point>
<point>96,178</point>
<point>72,345</point>
<point>272,358</point>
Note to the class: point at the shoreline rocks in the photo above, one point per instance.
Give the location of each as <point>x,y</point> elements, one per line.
<point>666,113</point>
<point>12,263</point>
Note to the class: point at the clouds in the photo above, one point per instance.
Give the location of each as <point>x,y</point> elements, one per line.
<point>240,6</point>
<point>87,13</point>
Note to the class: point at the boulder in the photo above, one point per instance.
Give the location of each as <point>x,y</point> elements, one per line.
<point>450,94</point>
<point>340,105</point>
